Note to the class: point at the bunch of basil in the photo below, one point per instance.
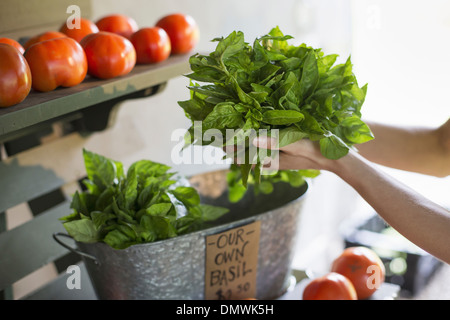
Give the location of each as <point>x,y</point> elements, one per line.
<point>145,204</point>
<point>274,85</point>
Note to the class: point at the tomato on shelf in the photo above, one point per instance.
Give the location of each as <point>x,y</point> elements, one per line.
<point>86,27</point>
<point>108,54</point>
<point>42,37</point>
<point>151,44</point>
<point>119,24</point>
<point>56,62</point>
<point>15,76</point>
<point>183,32</point>
<point>13,43</point>
<point>332,286</point>
<point>363,267</point>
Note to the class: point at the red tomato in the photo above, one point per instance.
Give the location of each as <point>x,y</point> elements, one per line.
<point>15,76</point>
<point>42,37</point>
<point>119,24</point>
<point>13,43</point>
<point>86,27</point>
<point>182,30</point>
<point>56,62</point>
<point>332,286</point>
<point>109,55</point>
<point>363,267</point>
<point>151,44</point>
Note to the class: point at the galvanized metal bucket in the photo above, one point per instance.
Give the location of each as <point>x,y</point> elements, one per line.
<point>175,268</point>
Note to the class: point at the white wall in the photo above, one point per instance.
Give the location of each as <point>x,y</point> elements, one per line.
<point>400,48</point>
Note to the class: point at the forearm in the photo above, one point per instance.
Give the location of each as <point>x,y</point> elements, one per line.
<point>421,150</point>
<point>420,220</point>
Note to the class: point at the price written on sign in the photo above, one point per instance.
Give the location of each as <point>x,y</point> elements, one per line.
<point>232,263</point>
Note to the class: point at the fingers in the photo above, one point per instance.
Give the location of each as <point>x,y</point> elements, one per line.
<point>300,147</point>
<point>291,162</point>
<point>298,155</point>
<point>265,142</point>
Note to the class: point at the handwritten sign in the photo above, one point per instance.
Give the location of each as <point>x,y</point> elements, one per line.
<point>232,262</point>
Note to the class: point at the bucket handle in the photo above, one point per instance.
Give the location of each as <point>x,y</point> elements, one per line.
<point>81,253</point>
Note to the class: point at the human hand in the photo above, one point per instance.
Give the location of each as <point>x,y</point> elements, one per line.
<point>300,155</point>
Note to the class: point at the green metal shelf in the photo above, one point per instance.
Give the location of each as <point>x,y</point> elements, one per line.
<point>44,107</point>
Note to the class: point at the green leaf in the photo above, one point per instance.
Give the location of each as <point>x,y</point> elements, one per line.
<point>117,239</point>
<point>159,209</point>
<point>133,208</point>
<point>216,91</point>
<point>73,216</point>
<point>211,213</point>
<point>309,173</point>
<point>282,117</point>
<point>230,45</point>
<point>278,39</point>
<point>146,168</point>
<point>355,130</point>
<point>245,171</point>
<point>236,192</point>
<point>82,230</point>
<point>105,198</point>
<point>79,204</point>
<point>332,147</point>
<point>266,187</point>
<point>290,135</point>
<point>262,75</point>
<point>187,195</point>
<point>311,125</point>
<point>270,85</point>
<point>100,218</point>
<point>121,214</point>
<point>159,226</point>
<point>131,191</point>
<point>195,109</point>
<point>310,75</point>
<point>325,63</point>
<point>100,170</point>
<point>280,95</point>
<point>223,116</point>
<point>295,178</point>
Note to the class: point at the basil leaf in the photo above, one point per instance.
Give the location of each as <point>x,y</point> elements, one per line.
<point>147,204</point>
<point>100,170</point>
<point>223,116</point>
<point>101,218</point>
<point>232,44</point>
<point>290,135</point>
<point>310,75</point>
<point>159,209</point>
<point>211,213</point>
<point>282,117</point>
<point>131,192</point>
<point>333,147</point>
<point>117,239</point>
<point>82,230</point>
<point>355,130</point>
<point>236,192</point>
<point>274,85</point>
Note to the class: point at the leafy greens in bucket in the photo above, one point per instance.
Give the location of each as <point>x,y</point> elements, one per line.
<point>274,85</point>
<point>145,204</point>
